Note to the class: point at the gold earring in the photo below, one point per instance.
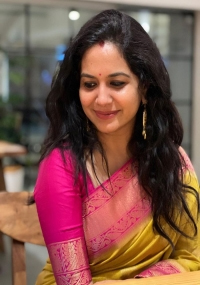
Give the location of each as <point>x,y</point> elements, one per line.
<point>144,122</point>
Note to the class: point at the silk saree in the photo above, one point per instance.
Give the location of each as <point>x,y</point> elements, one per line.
<point>118,241</point>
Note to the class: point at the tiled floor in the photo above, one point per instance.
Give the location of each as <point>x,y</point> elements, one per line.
<point>35,259</point>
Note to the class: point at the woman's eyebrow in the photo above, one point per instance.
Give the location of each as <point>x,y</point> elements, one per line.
<point>87,75</point>
<point>119,73</point>
<point>111,75</point>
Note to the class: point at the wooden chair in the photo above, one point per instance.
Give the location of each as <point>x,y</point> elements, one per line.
<point>20,222</point>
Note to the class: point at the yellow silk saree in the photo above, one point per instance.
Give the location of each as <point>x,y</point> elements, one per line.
<point>119,236</point>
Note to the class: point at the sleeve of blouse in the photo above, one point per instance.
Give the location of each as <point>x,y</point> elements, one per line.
<point>59,206</point>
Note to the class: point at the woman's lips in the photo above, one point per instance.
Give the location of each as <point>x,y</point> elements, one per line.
<point>106,114</point>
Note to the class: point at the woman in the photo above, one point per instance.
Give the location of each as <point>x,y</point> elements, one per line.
<point>117,197</point>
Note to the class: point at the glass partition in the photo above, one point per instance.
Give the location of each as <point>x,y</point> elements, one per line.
<point>32,41</point>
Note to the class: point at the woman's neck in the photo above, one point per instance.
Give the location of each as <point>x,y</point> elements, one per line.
<point>116,150</point>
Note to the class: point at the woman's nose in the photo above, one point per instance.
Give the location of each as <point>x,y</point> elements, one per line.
<point>103,96</point>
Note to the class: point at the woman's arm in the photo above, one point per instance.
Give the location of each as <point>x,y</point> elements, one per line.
<point>59,206</point>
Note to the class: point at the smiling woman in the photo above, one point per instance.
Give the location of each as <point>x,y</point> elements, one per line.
<point>110,100</point>
<point>112,203</point>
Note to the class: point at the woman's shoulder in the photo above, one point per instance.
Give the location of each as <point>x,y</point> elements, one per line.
<point>187,162</point>
<point>189,174</point>
<point>56,168</point>
<point>61,157</point>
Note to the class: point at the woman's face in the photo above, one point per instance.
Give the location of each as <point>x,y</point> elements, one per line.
<point>108,91</point>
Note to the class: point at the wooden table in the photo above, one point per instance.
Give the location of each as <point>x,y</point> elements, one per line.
<point>10,150</point>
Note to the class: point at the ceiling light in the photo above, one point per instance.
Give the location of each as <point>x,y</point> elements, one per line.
<point>74,15</point>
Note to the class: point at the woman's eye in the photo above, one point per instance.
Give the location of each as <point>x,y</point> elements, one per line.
<point>89,85</point>
<point>117,83</point>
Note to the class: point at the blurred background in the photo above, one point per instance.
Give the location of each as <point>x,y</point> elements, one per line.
<point>33,37</point>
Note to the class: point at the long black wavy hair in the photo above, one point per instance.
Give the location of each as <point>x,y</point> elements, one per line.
<point>159,160</point>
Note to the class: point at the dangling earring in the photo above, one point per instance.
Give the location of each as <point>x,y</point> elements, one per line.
<point>144,122</point>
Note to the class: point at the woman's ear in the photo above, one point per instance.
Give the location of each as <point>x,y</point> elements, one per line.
<point>144,100</point>
<point>144,89</point>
